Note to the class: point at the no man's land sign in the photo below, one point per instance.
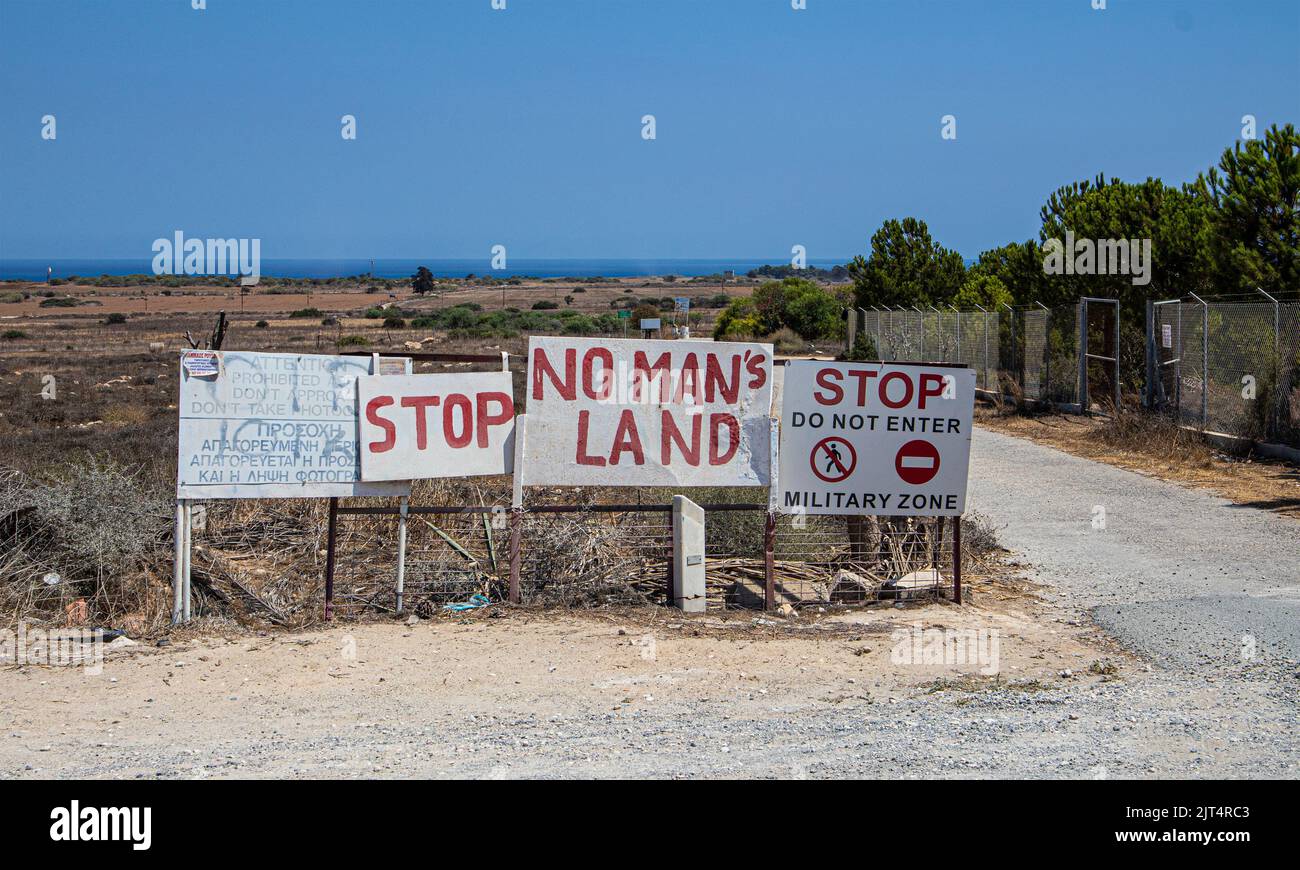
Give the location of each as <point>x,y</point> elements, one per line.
<point>873,438</point>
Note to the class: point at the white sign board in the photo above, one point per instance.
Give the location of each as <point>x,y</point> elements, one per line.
<point>875,438</point>
<point>271,425</point>
<point>440,425</point>
<point>651,323</point>
<point>1166,335</point>
<point>619,412</point>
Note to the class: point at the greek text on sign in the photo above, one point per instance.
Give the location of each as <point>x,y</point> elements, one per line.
<point>439,425</point>
<point>271,425</point>
<point>875,438</point>
<point>647,413</point>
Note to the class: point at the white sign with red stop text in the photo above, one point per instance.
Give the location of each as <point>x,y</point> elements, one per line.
<point>875,438</point>
<point>617,412</point>
<point>439,425</point>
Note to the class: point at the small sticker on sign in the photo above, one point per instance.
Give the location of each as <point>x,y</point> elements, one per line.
<point>201,363</point>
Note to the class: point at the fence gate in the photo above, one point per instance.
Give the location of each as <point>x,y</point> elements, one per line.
<point>1100,345</point>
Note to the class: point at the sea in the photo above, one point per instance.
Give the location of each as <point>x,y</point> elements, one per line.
<point>35,270</point>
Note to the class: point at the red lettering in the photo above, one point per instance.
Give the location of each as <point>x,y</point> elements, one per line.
<point>691,371</point>
<point>754,365</point>
<point>390,431</point>
<point>926,393</point>
<point>583,458</point>
<point>420,403</point>
<point>714,379</point>
<point>568,388</point>
<point>627,440</point>
<point>454,439</point>
<point>643,373</point>
<point>672,434</point>
<point>606,373</point>
<point>884,389</point>
<point>733,425</point>
<point>828,379</point>
<point>862,375</point>
<point>485,419</point>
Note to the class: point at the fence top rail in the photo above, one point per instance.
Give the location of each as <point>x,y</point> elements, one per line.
<point>394,510</point>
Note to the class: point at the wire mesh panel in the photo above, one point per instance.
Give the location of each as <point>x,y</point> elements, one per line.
<point>450,557</point>
<point>871,325</point>
<point>1164,389</point>
<point>1242,370</point>
<point>854,560</point>
<point>592,558</point>
<point>1191,365</point>
<point>1286,419</point>
<point>970,350</point>
<point>365,566</point>
<point>734,566</point>
<point>1035,354</point>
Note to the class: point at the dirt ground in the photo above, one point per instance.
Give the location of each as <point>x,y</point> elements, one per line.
<point>1153,451</point>
<point>219,701</point>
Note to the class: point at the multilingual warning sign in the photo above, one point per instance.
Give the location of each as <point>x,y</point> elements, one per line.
<point>875,438</point>
<point>271,425</point>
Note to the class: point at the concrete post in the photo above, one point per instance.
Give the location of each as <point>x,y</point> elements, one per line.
<point>403,505</point>
<point>687,590</point>
<point>178,565</point>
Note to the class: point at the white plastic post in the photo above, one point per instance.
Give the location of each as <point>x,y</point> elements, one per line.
<point>688,555</point>
<point>178,564</point>
<point>189,543</point>
<point>401,549</point>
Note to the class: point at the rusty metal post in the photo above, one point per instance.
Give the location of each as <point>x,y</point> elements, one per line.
<point>516,536</point>
<point>329,557</point>
<point>956,560</point>
<point>936,546</point>
<point>769,562</point>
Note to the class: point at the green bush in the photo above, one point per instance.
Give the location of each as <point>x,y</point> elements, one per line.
<point>59,302</point>
<point>545,305</point>
<point>392,321</point>
<point>13,334</point>
<point>307,312</point>
<point>115,318</point>
<point>261,324</point>
<point>353,341</point>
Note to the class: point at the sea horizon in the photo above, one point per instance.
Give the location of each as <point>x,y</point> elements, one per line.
<point>33,269</point>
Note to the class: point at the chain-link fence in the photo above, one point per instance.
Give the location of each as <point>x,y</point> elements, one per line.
<point>1228,367</point>
<point>1030,354</point>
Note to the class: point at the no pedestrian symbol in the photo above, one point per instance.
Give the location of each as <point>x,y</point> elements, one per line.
<point>917,462</point>
<point>833,459</point>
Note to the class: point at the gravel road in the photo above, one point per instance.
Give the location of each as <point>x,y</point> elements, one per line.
<point>1180,575</point>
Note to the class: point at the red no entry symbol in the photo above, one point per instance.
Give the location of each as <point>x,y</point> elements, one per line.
<point>833,459</point>
<point>917,462</point>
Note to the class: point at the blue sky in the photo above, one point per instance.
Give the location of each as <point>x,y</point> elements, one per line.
<point>522,127</point>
